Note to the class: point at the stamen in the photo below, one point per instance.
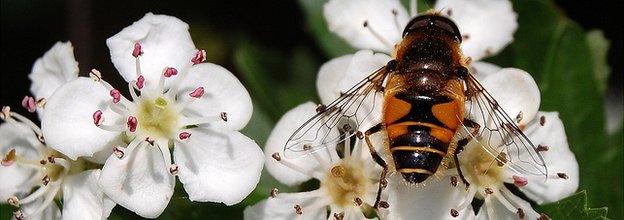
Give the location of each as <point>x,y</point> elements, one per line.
<point>384,204</point>
<point>137,51</point>
<point>41,102</point>
<point>501,159</point>
<point>9,158</point>
<point>98,118</point>
<point>563,176</point>
<point>95,75</point>
<point>202,120</point>
<point>46,202</point>
<point>542,120</point>
<point>377,35</point>
<point>29,104</point>
<point>6,113</point>
<point>45,180</point>
<point>173,169</point>
<point>488,191</point>
<point>170,71</point>
<point>520,181</point>
<point>454,181</point>
<point>467,199</point>
<point>298,209</point>
<point>150,140</point>
<point>543,216</point>
<point>519,117</point>
<point>357,201</point>
<point>454,213</point>
<point>164,150</point>
<point>294,167</point>
<point>200,56</point>
<point>501,198</point>
<point>132,123</point>
<point>140,82</point>
<point>197,93</point>
<point>118,151</point>
<point>520,213</point>
<point>184,135</point>
<point>224,116</point>
<point>274,192</point>
<point>14,201</point>
<point>339,216</point>
<point>12,116</point>
<point>115,95</point>
<point>18,215</point>
<point>542,148</point>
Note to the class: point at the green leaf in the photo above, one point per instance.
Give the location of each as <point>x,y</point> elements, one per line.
<point>256,65</point>
<point>599,46</point>
<point>556,51</point>
<point>573,207</point>
<point>332,45</point>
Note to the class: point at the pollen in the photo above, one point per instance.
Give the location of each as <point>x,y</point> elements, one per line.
<point>157,118</point>
<point>481,169</point>
<point>345,182</point>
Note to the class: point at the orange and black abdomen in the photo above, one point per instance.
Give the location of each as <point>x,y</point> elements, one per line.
<point>420,138</point>
<point>424,97</point>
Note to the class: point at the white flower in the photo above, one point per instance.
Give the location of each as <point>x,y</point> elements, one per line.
<point>447,197</point>
<point>56,67</point>
<point>487,26</point>
<point>29,164</point>
<point>348,185</point>
<point>177,102</point>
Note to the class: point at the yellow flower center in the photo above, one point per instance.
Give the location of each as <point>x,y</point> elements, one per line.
<point>345,182</point>
<point>157,118</point>
<point>482,169</point>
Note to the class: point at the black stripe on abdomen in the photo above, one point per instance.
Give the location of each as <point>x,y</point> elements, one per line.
<point>417,155</point>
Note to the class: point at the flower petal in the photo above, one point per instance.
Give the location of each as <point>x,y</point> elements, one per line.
<point>223,93</point>
<point>282,207</point>
<point>139,181</point>
<point>434,200</point>
<point>83,198</point>
<point>367,24</point>
<point>50,212</point>
<point>282,131</point>
<point>56,67</point>
<point>165,42</point>
<point>501,212</point>
<point>558,158</point>
<point>218,166</point>
<point>69,110</point>
<point>18,179</point>
<point>341,74</point>
<point>330,76</point>
<point>486,25</point>
<point>515,91</point>
<point>484,69</point>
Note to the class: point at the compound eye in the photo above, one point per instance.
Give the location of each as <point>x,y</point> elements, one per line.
<point>433,21</point>
<point>462,72</point>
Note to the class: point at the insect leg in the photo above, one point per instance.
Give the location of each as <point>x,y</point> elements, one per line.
<point>382,179</point>
<point>462,143</point>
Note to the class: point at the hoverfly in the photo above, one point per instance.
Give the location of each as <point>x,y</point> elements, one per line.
<point>431,107</point>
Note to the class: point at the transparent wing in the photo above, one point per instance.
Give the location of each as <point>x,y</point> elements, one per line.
<point>499,134</point>
<point>339,120</point>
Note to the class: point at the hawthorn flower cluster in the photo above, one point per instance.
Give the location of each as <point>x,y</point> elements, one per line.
<point>375,27</point>
<point>97,148</point>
